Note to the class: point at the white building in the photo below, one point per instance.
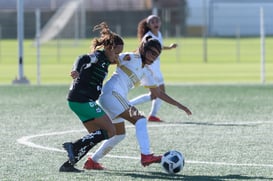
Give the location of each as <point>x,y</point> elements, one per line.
<point>230,17</point>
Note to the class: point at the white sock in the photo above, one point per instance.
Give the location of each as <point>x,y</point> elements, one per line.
<point>142,136</point>
<point>106,147</point>
<point>140,99</point>
<point>156,103</point>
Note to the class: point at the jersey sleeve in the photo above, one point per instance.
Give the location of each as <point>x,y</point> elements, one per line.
<point>123,57</point>
<point>84,60</point>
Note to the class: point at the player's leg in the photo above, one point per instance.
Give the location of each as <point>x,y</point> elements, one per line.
<point>99,127</point>
<point>84,144</point>
<point>93,161</point>
<point>117,105</point>
<point>80,148</point>
<point>140,122</point>
<point>156,104</point>
<point>114,104</point>
<point>140,99</point>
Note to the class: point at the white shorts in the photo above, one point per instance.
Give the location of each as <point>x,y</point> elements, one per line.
<point>113,103</point>
<point>158,76</point>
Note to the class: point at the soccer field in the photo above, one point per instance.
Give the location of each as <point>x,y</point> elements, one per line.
<point>228,137</point>
<point>226,62</point>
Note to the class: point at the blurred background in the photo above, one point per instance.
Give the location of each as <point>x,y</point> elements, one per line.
<point>207,31</point>
<point>225,18</point>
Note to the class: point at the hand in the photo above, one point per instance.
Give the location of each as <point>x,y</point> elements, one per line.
<point>173,45</point>
<point>184,108</point>
<point>74,74</point>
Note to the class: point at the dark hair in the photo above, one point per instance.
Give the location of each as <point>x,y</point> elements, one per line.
<point>107,38</point>
<point>142,28</point>
<point>149,42</point>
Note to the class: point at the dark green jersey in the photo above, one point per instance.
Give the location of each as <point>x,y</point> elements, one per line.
<point>93,69</point>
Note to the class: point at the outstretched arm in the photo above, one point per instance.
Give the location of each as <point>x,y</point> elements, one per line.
<point>162,95</point>
<point>171,46</point>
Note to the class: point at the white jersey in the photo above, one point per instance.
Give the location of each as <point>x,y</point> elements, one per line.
<point>129,74</point>
<point>155,67</point>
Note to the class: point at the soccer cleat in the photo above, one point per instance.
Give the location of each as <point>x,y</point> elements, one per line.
<point>154,119</point>
<point>68,146</point>
<point>67,167</point>
<point>146,160</point>
<point>92,165</point>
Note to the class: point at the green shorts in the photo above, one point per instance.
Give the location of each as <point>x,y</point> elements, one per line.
<point>86,111</point>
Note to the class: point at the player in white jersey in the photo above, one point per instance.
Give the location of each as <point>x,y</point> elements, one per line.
<point>150,26</point>
<point>131,72</point>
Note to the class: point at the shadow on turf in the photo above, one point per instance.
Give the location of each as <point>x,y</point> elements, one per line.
<point>214,124</point>
<point>164,176</point>
<point>225,177</point>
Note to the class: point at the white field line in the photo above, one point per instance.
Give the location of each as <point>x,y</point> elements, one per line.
<point>26,140</point>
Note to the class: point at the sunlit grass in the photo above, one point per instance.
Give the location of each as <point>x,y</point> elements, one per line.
<point>228,137</point>
<point>223,62</point>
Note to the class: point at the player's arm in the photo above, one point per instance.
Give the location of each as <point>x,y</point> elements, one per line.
<point>171,46</point>
<point>84,60</point>
<point>162,95</point>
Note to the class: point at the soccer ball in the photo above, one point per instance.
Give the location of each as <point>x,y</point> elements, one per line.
<point>173,161</point>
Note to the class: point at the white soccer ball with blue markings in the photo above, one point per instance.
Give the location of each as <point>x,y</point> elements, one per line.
<point>173,161</point>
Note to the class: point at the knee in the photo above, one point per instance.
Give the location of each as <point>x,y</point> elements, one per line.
<point>111,132</point>
<point>152,96</point>
<point>135,113</point>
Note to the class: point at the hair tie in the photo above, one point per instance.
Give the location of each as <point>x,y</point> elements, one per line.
<point>151,17</point>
